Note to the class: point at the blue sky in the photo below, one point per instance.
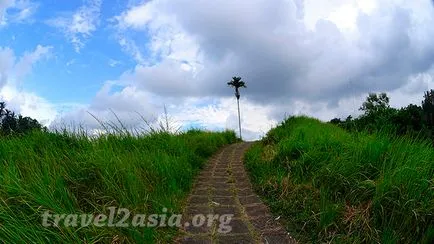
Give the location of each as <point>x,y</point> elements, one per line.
<point>60,61</point>
<point>66,76</point>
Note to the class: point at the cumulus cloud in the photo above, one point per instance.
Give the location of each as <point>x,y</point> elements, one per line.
<point>221,113</point>
<point>277,53</point>
<point>112,103</point>
<point>13,71</point>
<point>29,104</point>
<point>7,63</point>
<point>25,63</point>
<point>78,26</point>
<point>136,109</point>
<point>297,57</point>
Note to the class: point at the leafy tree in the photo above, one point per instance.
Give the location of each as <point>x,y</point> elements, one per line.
<point>237,83</point>
<point>2,109</point>
<point>413,120</point>
<point>375,103</point>
<point>428,107</point>
<point>336,121</point>
<point>409,120</point>
<point>377,113</point>
<point>11,124</point>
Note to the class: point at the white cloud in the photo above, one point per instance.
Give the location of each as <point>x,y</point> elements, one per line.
<point>131,47</point>
<point>222,113</point>
<point>113,62</point>
<point>28,104</point>
<point>7,63</point>
<point>22,10</point>
<point>131,106</point>
<point>13,71</point>
<point>137,17</point>
<point>25,63</point>
<point>297,57</point>
<point>79,25</point>
<point>70,62</point>
<point>282,50</point>
<point>128,104</point>
<point>167,38</point>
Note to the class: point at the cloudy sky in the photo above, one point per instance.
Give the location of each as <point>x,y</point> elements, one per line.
<point>61,60</point>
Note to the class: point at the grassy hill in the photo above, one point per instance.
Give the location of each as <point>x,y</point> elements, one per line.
<point>74,174</point>
<point>329,185</point>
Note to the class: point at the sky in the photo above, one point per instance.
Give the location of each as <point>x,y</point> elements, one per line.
<point>67,62</point>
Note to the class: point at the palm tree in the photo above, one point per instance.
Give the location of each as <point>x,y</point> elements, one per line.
<point>237,83</point>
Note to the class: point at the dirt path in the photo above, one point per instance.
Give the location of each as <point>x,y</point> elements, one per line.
<point>223,187</point>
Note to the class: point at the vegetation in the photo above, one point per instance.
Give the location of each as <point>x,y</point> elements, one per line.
<point>11,124</point>
<point>331,185</point>
<point>66,173</point>
<point>416,121</point>
<point>237,83</point>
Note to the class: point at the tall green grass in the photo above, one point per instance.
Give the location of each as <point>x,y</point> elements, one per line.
<point>75,174</point>
<point>330,185</point>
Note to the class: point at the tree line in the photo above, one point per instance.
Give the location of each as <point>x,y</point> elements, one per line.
<point>413,120</point>
<point>16,124</point>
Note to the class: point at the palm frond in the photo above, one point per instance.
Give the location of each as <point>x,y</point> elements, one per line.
<point>236,82</point>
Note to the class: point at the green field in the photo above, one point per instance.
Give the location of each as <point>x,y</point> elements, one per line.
<point>74,174</point>
<point>330,185</point>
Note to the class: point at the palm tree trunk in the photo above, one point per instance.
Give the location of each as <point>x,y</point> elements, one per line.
<point>239,118</point>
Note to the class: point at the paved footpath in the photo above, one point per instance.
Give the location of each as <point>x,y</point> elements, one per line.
<point>223,187</point>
